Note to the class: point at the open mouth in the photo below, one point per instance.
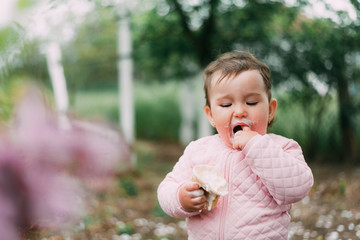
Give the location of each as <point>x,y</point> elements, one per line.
<point>237,128</point>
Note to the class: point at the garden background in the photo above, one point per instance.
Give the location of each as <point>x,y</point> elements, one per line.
<point>312,48</point>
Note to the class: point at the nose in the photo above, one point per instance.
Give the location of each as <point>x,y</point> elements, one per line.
<point>240,111</point>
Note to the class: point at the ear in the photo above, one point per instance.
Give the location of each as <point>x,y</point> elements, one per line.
<point>209,115</point>
<point>272,109</point>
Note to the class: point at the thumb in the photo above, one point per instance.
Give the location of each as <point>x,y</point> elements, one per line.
<point>246,128</point>
<point>192,186</point>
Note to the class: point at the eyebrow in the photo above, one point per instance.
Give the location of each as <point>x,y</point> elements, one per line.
<point>226,96</point>
<point>252,94</point>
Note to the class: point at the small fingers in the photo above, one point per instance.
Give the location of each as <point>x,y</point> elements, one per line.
<point>197,193</point>
<point>199,203</point>
<point>192,197</point>
<point>200,199</point>
<point>192,186</point>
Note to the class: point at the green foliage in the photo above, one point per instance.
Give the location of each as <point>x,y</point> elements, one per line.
<point>342,187</point>
<point>145,157</point>
<point>6,103</point>
<point>20,58</point>
<point>160,49</point>
<point>178,42</point>
<point>7,36</point>
<point>330,59</point>
<point>97,104</point>
<point>157,111</point>
<point>11,42</point>
<point>299,119</point>
<point>21,4</point>
<point>158,212</point>
<point>129,186</point>
<point>125,229</point>
<point>90,59</point>
<point>88,221</point>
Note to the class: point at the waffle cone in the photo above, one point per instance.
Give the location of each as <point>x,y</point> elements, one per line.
<point>209,205</point>
<point>213,204</point>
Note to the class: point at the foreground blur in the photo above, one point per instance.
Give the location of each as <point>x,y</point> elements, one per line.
<point>46,167</point>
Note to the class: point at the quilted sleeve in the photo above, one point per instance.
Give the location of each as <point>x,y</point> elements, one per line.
<point>280,165</point>
<point>168,189</point>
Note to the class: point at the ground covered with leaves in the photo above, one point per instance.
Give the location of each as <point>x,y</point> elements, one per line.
<point>129,208</point>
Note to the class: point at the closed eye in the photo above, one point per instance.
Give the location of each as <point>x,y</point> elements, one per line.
<point>251,103</point>
<point>226,105</point>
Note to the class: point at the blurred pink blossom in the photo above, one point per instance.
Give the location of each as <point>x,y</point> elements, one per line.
<point>44,167</point>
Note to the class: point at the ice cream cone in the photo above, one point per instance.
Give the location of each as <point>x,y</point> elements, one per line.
<point>213,183</point>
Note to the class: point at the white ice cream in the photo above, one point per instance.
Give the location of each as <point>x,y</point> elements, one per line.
<point>211,181</point>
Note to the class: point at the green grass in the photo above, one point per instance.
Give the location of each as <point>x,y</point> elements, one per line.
<point>101,104</point>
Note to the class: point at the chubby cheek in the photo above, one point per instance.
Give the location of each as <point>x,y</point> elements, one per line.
<point>261,130</point>
<point>260,126</point>
<point>224,134</point>
<point>260,120</point>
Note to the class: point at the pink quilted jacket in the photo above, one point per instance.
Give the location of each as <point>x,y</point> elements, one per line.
<point>264,180</point>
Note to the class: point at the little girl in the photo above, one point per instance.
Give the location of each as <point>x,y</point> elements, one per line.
<point>265,173</point>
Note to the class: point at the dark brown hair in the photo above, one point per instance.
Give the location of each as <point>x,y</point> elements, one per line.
<point>233,63</point>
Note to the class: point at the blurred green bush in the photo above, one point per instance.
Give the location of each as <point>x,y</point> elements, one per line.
<point>157,114</point>
<point>128,185</point>
<point>312,124</point>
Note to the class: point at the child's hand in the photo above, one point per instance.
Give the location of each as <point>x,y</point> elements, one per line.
<point>241,138</point>
<point>191,197</point>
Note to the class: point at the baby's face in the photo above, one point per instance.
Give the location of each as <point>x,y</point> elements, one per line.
<point>239,101</point>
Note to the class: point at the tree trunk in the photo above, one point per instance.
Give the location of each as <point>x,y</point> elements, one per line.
<point>187,109</point>
<point>349,142</point>
<point>57,76</point>
<point>125,71</point>
<point>125,78</point>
